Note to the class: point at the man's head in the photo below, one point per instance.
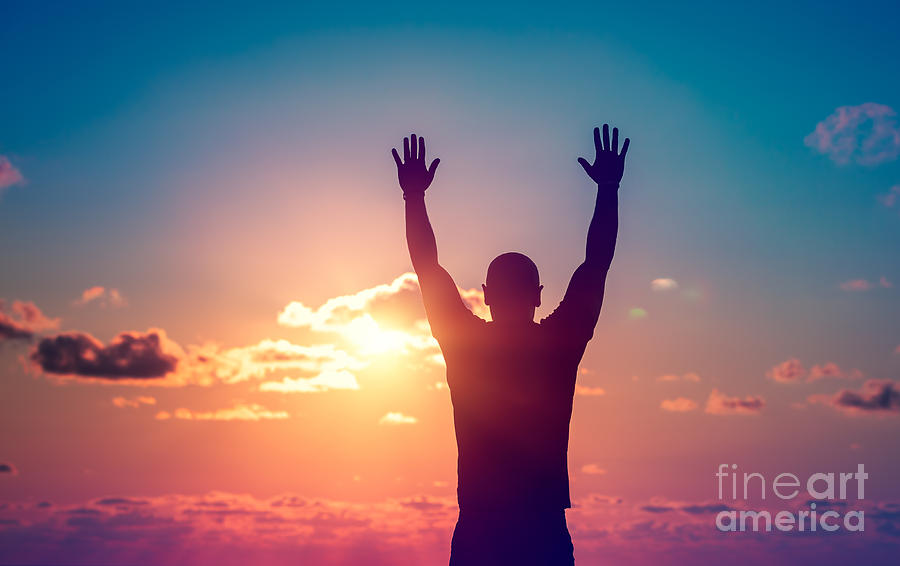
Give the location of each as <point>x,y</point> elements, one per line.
<point>513,288</point>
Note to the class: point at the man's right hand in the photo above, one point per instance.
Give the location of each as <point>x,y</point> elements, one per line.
<point>413,175</point>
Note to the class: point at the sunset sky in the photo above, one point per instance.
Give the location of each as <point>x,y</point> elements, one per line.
<point>211,345</point>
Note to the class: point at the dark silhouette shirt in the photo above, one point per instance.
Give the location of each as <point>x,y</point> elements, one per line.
<point>512,387</point>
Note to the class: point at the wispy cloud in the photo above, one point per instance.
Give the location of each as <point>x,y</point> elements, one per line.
<point>678,405</point>
<point>325,381</point>
<point>663,284</point>
<point>101,296</point>
<point>588,391</point>
<point>722,404</point>
<point>21,320</point>
<point>240,412</point>
<point>867,134</point>
<point>134,402</point>
<point>891,198</point>
<point>690,376</point>
<point>395,418</point>
<point>793,371</point>
<point>593,470</point>
<point>865,285</point>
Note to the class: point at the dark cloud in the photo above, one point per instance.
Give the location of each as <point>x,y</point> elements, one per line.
<point>121,501</point>
<point>7,469</point>
<point>708,508</point>
<point>423,504</point>
<point>877,396</point>
<point>131,355</point>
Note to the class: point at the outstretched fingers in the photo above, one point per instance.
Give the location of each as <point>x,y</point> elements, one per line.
<point>615,140</point>
<point>433,167</point>
<point>396,157</point>
<point>422,149</point>
<point>406,149</point>
<point>606,137</point>
<point>584,164</point>
<point>598,145</point>
<point>625,148</point>
<point>413,147</point>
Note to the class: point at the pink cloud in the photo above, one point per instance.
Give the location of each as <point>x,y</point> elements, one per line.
<point>690,376</point>
<point>793,371</point>
<point>789,371</point>
<point>867,134</point>
<point>9,175</point>
<point>101,296</point>
<point>587,391</point>
<point>831,370</point>
<point>135,402</point>
<point>856,285</point>
<point>891,198</point>
<point>21,320</point>
<point>237,529</point>
<point>678,405</point>
<point>721,404</point>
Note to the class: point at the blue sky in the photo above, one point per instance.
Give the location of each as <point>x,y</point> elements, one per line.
<point>214,162</point>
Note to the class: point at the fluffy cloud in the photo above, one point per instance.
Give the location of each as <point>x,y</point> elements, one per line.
<point>393,418</point>
<point>663,284</point>
<point>240,412</point>
<point>865,285</point>
<point>877,397</point>
<point>130,355</point>
<point>678,405</point>
<point>721,404</point>
<point>793,371</point>
<point>123,402</point>
<point>789,371</point>
<point>9,175</point>
<point>380,319</point>
<point>867,134</point>
<point>101,296</point>
<point>258,360</point>
<point>20,320</point>
<point>325,381</point>
<point>831,370</point>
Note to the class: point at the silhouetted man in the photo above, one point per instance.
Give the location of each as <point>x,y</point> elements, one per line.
<point>512,380</point>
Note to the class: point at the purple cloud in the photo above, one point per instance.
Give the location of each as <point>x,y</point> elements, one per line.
<point>9,175</point>
<point>867,134</point>
<point>877,397</point>
<point>131,355</point>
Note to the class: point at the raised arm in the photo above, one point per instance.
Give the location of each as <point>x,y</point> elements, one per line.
<point>606,171</point>
<point>442,301</point>
<point>580,308</point>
